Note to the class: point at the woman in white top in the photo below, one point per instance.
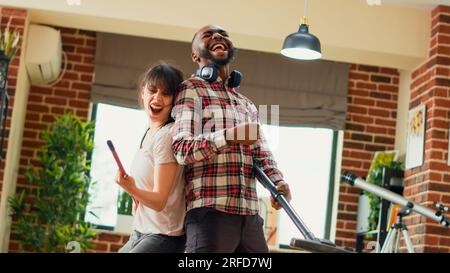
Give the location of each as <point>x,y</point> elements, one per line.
<point>156,181</point>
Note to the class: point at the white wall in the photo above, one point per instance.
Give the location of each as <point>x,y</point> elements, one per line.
<point>402,112</point>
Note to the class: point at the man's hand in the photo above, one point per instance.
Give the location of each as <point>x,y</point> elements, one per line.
<point>245,133</point>
<point>281,187</point>
<point>127,183</point>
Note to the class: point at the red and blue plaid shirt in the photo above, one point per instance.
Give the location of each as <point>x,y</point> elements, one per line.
<point>218,175</point>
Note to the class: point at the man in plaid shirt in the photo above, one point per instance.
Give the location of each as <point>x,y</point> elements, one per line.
<point>211,120</point>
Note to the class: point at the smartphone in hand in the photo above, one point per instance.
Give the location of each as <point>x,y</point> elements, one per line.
<point>116,157</point>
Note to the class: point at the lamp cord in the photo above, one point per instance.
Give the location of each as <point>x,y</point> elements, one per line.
<point>304,8</point>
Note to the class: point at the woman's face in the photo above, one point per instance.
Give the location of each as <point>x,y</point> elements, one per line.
<point>157,103</point>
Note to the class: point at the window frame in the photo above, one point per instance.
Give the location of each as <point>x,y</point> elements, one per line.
<point>331,189</point>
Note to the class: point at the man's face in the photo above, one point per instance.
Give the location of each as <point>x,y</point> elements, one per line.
<point>212,44</point>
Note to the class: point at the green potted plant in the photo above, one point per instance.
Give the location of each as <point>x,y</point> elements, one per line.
<point>52,217</point>
<point>387,159</point>
<point>9,43</point>
<point>124,213</point>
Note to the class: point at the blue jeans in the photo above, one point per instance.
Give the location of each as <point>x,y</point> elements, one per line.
<point>154,243</point>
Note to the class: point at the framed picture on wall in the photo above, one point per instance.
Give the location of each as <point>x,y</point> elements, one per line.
<point>415,137</point>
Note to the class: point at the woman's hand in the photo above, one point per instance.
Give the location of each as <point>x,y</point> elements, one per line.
<point>126,182</point>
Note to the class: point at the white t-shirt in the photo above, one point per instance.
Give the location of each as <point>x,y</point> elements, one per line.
<point>157,149</point>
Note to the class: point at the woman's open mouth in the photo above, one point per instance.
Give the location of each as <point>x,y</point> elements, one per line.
<point>156,109</point>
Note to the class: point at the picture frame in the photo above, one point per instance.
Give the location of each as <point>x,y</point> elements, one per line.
<point>415,144</point>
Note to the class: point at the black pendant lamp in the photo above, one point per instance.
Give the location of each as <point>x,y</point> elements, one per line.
<point>302,45</point>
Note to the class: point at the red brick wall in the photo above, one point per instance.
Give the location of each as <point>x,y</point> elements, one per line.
<point>18,18</point>
<point>370,127</point>
<point>71,93</point>
<point>431,181</point>
<point>109,242</point>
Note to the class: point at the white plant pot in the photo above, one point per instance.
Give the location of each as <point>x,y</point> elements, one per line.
<point>124,224</point>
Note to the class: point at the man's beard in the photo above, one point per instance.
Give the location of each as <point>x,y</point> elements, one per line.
<point>205,54</point>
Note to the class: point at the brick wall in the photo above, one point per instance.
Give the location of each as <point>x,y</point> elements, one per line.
<point>109,242</point>
<point>71,93</point>
<point>431,181</point>
<point>18,18</point>
<point>370,127</point>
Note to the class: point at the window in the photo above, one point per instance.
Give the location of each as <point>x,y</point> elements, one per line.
<point>125,128</point>
<point>304,157</point>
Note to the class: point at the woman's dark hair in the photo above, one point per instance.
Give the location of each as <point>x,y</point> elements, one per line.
<point>164,76</point>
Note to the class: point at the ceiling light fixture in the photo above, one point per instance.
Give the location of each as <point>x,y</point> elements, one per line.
<point>302,45</point>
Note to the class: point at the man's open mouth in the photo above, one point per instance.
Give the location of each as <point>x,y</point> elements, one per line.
<point>219,47</point>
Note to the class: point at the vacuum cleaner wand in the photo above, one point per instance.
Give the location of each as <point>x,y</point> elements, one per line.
<point>311,243</point>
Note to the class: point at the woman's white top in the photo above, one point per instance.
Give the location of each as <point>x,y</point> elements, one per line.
<point>157,149</point>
